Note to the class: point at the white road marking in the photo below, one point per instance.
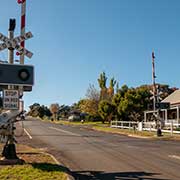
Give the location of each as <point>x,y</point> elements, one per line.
<point>55,160</point>
<point>174,156</point>
<point>30,137</point>
<point>67,132</point>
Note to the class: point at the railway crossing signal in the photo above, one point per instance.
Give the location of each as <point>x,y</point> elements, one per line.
<point>13,74</point>
<point>14,43</point>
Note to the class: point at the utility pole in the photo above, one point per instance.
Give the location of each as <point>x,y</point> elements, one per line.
<point>155,97</point>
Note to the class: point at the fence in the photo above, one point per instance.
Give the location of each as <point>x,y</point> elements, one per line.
<point>147,126</point>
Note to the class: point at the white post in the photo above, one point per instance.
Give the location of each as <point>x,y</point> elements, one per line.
<point>166,118</point>
<point>144,116</point>
<point>177,114</point>
<point>171,128</point>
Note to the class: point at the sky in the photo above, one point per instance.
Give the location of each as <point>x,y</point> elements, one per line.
<point>75,40</point>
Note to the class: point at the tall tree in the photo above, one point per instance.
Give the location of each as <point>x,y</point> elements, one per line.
<point>110,90</point>
<point>102,84</point>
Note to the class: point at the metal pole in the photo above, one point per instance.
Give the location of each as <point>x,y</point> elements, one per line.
<point>153,81</point>
<point>12,24</point>
<point>23,23</point>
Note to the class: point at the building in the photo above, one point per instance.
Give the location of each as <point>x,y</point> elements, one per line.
<point>172,114</point>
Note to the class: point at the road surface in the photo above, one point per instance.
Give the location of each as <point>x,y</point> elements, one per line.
<point>96,155</point>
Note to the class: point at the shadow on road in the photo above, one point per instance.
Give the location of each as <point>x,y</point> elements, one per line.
<point>99,175</point>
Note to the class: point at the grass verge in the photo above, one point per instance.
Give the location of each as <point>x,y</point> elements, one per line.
<point>37,166</point>
<point>99,126</point>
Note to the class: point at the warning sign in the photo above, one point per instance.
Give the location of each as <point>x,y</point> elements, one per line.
<point>11,99</point>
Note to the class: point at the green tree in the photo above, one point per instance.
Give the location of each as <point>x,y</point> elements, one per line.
<point>106,110</point>
<point>133,104</point>
<point>102,84</point>
<point>110,90</point>
<point>36,110</point>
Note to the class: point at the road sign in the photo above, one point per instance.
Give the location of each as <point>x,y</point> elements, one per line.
<point>13,74</point>
<point>14,43</point>
<point>11,99</point>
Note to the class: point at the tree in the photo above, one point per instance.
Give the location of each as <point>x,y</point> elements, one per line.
<point>133,104</point>
<point>92,93</point>
<point>64,111</point>
<point>123,90</point>
<point>102,84</point>
<point>54,108</point>
<point>36,110</point>
<point>89,105</point>
<point>110,90</point>
<point>106,110</point>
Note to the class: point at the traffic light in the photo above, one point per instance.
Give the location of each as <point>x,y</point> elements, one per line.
<point>12,74</point>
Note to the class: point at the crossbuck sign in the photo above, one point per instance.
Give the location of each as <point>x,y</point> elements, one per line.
<point>14,43</point>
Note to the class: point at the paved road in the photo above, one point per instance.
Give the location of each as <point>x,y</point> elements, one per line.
<point>100,156</point>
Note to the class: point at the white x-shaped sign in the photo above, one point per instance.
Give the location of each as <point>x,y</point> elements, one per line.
<point>14,43</point>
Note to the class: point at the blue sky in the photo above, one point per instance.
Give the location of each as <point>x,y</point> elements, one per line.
<point>75,40</point>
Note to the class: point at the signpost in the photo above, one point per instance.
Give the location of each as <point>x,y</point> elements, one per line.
<point>14,43</point>
<point>11,99</point>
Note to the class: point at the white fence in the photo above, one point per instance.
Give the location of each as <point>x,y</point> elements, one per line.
<point>124,124</point>
<point>147,126</point>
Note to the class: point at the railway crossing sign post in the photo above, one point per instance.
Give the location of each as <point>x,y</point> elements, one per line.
<point>13,78</point>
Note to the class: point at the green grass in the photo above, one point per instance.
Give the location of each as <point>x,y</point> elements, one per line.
<point>38,166</point>
<point>36,171</point>
<point>99,126</point>
<point>106,128</point>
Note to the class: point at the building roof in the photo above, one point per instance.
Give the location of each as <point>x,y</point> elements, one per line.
<point>174,98</point>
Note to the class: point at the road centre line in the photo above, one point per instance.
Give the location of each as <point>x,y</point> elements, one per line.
<point>67,132</point>
<point>30,137</point>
